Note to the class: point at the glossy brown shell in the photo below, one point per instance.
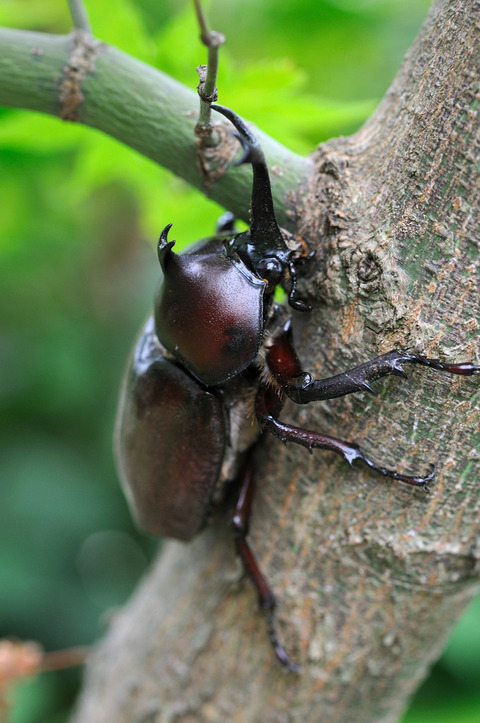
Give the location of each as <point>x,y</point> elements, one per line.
<point>209,313</point>
<point>170,442</point>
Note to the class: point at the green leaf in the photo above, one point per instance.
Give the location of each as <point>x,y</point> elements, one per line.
<point>120,23</point>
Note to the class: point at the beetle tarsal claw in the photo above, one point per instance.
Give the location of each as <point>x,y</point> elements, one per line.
<point>431,474</point>
<point>277,645</point>
<point>414,480</point>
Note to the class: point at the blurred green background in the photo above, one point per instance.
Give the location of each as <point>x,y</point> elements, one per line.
<point>80,215</point>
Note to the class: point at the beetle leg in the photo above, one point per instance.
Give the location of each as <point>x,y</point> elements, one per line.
<point>285,366</point>
<point>264,404</point>
<point>266,598</point>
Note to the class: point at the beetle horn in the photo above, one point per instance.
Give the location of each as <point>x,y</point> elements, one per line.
<point>264,228</point>
<point>247,150</point>
<point>164,246</point>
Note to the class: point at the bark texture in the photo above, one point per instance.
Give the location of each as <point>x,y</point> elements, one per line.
<point>370,575</point>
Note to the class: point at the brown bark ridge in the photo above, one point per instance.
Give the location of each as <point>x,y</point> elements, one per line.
<point>370,574</point>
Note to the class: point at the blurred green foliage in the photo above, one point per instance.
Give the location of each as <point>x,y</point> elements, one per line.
<point>80,214</point>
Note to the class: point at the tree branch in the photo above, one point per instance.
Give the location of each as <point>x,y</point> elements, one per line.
<point>79,78</point>
<point>207,74</point>
<point>79,16</point>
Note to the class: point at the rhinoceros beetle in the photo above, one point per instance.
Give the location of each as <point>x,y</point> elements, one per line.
<point>211,370</point>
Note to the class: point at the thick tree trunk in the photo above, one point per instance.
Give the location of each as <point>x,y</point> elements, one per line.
<point>370,575</point>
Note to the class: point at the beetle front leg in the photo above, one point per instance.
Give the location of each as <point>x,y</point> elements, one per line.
<point>285,366</point>
<point>266,598</point>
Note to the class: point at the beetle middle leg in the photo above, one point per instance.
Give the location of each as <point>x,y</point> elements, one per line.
<point>267,408</point>
<point>285,367</point>
<point>266,598</point>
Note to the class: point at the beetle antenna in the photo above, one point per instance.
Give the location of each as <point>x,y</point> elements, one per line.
<point>264,227</point>
<point>292,300</point>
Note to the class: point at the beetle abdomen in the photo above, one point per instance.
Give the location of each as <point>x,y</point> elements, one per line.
<point>170,443</point>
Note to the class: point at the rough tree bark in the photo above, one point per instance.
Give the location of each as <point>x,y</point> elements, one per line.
<point>370,574</point>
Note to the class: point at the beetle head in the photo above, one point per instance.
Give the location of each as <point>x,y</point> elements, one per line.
<point>262,247</point>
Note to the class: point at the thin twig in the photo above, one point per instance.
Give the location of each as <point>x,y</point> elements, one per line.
<point>207,89</point>
<point>79,16</point>
<point>201,18</point>
<point>66,658</point>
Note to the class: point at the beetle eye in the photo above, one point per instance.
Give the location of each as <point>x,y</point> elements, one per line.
<point>270,269</point>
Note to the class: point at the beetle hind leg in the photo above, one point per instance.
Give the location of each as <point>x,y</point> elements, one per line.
<point>266,598</point>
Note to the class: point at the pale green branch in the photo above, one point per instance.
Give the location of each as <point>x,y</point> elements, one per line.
<point>79,16</point>
<point>137,104</point>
